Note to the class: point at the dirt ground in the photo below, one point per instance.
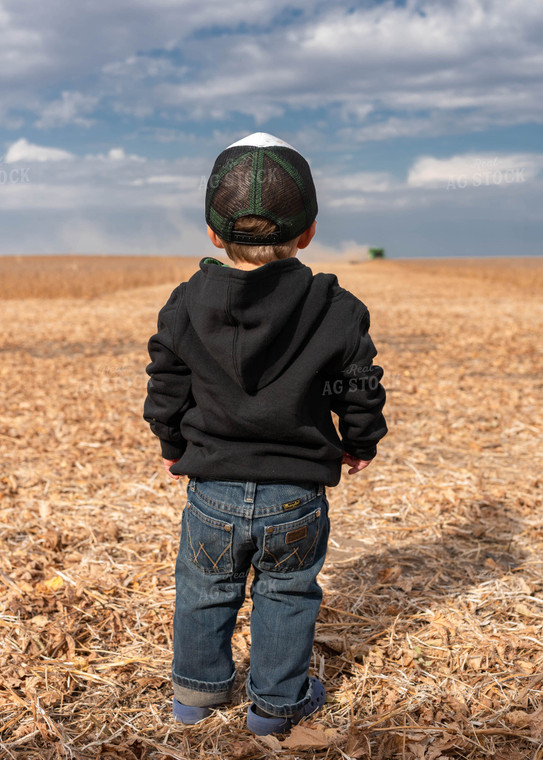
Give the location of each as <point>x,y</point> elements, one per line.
<point>429,638</point>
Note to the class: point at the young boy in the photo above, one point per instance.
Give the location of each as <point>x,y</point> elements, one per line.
<point>248,363</point>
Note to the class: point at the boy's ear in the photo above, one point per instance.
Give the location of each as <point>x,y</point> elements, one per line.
<point>215,239</point>
<point>307,236</point>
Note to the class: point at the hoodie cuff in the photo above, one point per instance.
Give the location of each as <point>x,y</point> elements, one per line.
<point>171,450</point>
<point>363,454</point>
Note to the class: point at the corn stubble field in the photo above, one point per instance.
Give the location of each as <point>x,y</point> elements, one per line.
<point>429,639</point>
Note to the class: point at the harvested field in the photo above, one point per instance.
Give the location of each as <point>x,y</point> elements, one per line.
<point>86,276</point>
<point>429,639</point>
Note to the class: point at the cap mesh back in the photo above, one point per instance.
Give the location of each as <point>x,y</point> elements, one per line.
<point>234,189</point>
<point>279,192</point>
<point>273,182</point>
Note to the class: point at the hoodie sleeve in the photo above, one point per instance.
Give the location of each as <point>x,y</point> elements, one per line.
<point>169,386</point>
<point>358,397</point>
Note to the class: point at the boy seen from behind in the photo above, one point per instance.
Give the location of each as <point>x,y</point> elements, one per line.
<point>248,363</point>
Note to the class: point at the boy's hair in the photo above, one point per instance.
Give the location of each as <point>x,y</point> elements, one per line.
<point>257,254</point>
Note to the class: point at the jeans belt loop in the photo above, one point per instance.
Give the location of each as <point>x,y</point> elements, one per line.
<point>250,489</point>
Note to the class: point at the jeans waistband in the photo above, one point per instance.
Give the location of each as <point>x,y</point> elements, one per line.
<point>244,497</point>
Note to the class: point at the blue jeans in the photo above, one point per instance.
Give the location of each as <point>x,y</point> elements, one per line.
<point>279,529</point>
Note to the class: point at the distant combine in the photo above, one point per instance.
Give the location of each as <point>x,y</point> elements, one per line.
<point>366,252</point>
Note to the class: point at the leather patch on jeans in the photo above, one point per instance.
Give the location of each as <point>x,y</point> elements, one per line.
<point>296,535</point>
<point>291,504</point>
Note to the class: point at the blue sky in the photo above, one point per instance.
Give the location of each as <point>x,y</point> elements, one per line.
<point>422,120</point>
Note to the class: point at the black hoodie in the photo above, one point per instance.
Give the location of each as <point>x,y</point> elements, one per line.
<point>247,366</point>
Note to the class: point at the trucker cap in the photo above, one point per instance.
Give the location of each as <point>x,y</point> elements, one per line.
<point>260,175</point>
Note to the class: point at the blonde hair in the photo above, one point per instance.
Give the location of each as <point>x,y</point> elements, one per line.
<point>258,254</point>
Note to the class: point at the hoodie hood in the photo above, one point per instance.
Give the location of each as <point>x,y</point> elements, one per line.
<point>255,322</point>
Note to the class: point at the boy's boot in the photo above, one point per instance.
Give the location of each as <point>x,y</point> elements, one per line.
<point>261,725</point>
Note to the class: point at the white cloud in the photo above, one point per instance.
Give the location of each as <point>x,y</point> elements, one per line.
<point>406,126</point>
<point>474,170</point>
<point>22,150</point>
<point>475,173</point>
<point>114,180</point>
<point>143,67</point>
<point>179,181</point>
<point>115,154</point>
<point>355,189</point>
<point>69,109</point>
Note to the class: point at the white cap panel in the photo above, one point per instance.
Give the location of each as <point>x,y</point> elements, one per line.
<point>262,140</point>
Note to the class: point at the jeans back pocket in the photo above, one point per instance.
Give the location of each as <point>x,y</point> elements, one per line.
<point>208,541</point>
<point>291,545</point>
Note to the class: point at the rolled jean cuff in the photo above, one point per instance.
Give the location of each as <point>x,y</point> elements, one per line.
<point>194,693</point>
<point>280,711</point>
